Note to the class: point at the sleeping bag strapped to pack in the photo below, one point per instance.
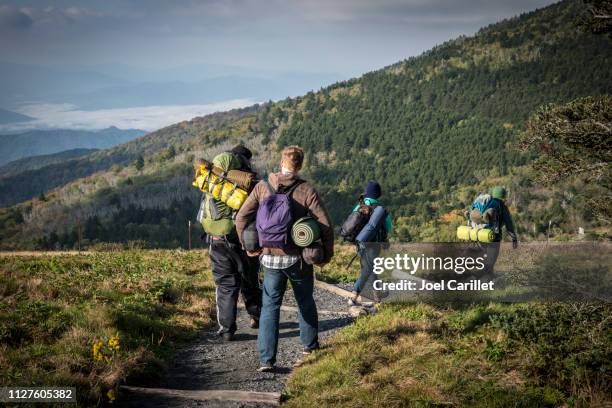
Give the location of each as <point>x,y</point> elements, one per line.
<point>216,213</point>
<point>369,232</point>
<point>214,179</point>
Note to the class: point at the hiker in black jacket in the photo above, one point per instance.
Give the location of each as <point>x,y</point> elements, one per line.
<point>234,272</point>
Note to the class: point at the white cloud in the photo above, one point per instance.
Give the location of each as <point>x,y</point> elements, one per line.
<point>65,116</point>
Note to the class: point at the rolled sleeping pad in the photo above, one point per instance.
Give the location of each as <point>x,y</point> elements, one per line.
<point>305,231</point>
<point>482,235</point>
<point>242,179</point>
<point>463,232</point>
<point>250,237</point>
<point>368,232</point>
<point>476,234</point>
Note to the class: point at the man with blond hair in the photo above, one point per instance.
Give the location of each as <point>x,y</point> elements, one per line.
<point>280,258</point>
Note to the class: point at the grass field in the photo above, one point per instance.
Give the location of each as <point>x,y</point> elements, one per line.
<point>93,320</point>
<point>491,354</point>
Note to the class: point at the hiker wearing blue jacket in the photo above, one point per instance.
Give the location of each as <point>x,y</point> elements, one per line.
<point>490,211</point>
<point>368,251</point>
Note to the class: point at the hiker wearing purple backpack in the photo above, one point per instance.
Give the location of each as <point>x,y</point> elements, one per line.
<point>275,203</point>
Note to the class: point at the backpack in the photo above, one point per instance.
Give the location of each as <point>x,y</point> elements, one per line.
<point>216,217</point>
<point>485,212</point>
<point>354,223</point>
<point>374,231</point>
<point>275,218</point>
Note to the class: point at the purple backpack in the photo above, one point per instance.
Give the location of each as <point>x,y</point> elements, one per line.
<point>275,218</point>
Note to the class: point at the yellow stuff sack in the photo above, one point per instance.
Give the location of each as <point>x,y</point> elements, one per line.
<point>220,188</point>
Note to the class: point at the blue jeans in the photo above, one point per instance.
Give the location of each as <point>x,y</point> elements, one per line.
<point>275,283</point>
<point>367,253</point>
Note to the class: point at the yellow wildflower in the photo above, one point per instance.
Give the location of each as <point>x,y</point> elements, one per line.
<point>111,396</point>
<point>97,350</point>
<point>113,343</point>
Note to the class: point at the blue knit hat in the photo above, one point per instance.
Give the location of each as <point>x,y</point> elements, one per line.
<point>373,190</point>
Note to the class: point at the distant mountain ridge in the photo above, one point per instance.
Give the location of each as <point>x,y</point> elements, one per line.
<point>40,142</point>
<point>7,116</point>
<point>14,189</point>
<point>37,162</point>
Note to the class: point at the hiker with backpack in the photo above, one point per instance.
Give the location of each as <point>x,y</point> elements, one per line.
<point>276,203</point>
<point>368,226</point>
<point>489,211</point>
<point>233,271</point>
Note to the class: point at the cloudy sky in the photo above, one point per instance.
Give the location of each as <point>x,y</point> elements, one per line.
<point>347,37</point>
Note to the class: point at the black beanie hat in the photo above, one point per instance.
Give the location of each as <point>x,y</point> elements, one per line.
<point>243,151</point>
<point>373,190</point>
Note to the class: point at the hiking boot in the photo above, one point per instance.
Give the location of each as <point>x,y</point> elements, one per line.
<point>353,299</point>
<point>265,368</point>
<point>379,296</point>
<point>227,336</point>
<point>308,350</point>
<point>254,323</point>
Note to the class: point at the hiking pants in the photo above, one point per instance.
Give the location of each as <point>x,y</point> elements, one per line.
<point>234,272</point>
<point>301,276</point>
<point>492,252</point>
<point>367,253</point>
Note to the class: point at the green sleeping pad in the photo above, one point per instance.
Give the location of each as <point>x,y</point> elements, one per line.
<point>305,231</point>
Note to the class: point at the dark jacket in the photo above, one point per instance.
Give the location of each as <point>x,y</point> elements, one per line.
<point>305,201</point>
<point>505,219</point>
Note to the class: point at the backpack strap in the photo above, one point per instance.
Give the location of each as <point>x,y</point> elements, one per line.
<point>289,190</point>
<point>269,186</point>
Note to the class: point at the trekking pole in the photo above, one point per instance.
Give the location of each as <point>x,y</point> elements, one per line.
<point>351,261</point>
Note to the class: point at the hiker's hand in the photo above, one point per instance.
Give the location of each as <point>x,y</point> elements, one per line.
<point>253,254</point>
<point>514,244</point>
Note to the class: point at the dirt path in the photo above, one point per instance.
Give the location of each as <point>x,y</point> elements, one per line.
<point>211,364</point>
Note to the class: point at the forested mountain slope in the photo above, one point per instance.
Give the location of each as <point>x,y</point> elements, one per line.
<point>427,128</point>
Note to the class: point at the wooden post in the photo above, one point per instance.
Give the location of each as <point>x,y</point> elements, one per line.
<point>189,233</point>
<point>79,233</point>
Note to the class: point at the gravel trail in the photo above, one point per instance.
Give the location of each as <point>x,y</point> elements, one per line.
<point>211,364</point>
